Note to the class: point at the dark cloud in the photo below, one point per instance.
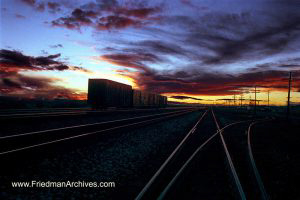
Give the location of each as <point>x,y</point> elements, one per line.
<point>39,6</point>
<point>79,68</point>
<point>185,98</point>
<point>29,2</point>
<point>57,46</point>
<point>231,37</point>
<point>202,42</point>
<point>20,16</point>
<point>107,5</point>
<point>44,52</point>
<point>53,7</point>
<point>215,84</point>
<point>10,83</point>
<point>216,38</point>
<point>116,22</point>
<point>193,5</point>
<point>197,82</point>
<point>133,60</point>
<point>81,15</point>
<point>269,42</point>
<point>222,38</point>
<point>164,47</point>
<point>14,58</point>
<point>139,13</point>
<point>15,61</point>
<point>107,15</point>
<point>287,64</point>
<point>14,83</point>
<point>158,51</point>
<point>19,85</point>
<point>77,19</point>
<point>297,66</point>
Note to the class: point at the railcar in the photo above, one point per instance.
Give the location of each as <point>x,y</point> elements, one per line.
<point>145,98</point>
<point>103,93</point>
<point>137,98</point>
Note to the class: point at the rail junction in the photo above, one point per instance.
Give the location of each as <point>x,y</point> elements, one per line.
<point>176,178</point>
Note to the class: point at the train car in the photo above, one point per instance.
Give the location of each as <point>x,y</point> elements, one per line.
<point>137,98</point>
<point>144,98</point>
<point>103,93</point>
<point>165,101</point>
<point>151,99</point>
<point>161,100</point>
<point>155,101</point>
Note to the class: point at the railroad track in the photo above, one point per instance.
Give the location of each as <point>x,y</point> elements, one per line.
<point>275,150</point>
<point>263,192</point>
<point>33,114</point>
<point>35,110</point>
<point>203,166</point>
<point>55,113</point>
<point>33,140</point>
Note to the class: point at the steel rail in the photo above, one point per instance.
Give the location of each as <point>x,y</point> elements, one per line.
<point>232,168</point>
<point>91,133</point>
<point>85,125</point>
<point>24,111</point>
<point>55,113</point>
<point>181,170</point>
<point>259,181</point>
<point>35,114</point>
<point>162,167</point>
<point>63,112</point>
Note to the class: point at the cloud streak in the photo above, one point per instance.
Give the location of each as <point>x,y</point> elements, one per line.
<point>107,16</point>
<point>203,44</point>
<point>57,46</point>
<point>185,98</point>
<point>15,61</point>
<point>14,83</point>
<point>20,16</point>
<point>197,82</point>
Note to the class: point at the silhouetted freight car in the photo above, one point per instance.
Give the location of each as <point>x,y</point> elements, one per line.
<point>151,99</point>
<point>137,98</point>
<point>146,99</point>
<point>165,100</point>
<point>162,100</point>
<point>103,93</point>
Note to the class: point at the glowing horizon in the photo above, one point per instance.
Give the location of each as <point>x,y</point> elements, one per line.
<point>198,49</point>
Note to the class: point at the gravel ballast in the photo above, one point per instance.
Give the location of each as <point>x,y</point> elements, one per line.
<point>127,158</point>
<point>25,125</point>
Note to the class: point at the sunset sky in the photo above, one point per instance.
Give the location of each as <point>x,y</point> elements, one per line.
<point>188,50</point>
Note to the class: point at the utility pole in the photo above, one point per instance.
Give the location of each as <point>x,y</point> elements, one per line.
<point>241,100</point>
<point>289,95</point>
<point>249,100</point>
<point>234,100</point>
<point>268,98</point>
<point>255,100</point>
